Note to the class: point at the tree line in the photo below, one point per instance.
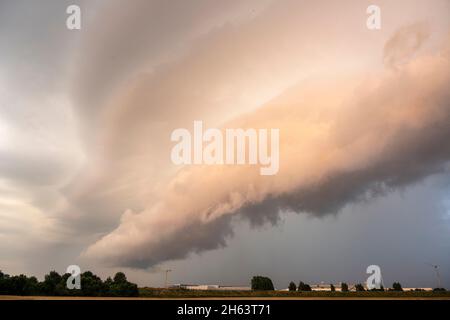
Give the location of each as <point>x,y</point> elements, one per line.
<point>55,284</point>
<point>396,286</point>
<point>261,283</point>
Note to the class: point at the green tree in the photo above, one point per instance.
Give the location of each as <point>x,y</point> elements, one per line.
<point>121,287</point>
<point>120,277</point>
<point>18,285</point>
<point>92,285</point>
<point>261,283</point>
<point>359,287</point>
<point>292,286</point>
<point>396,286</point>
<point>108,285</point>
<point>332,288</point>
<point>56,285</point>
<point>303,287</point>
<point>62,290</point>
<point>51,280</point>
<point>3,283</point>
<point>344,287</point>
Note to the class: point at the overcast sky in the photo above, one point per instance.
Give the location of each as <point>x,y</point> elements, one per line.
<point>364,118</point>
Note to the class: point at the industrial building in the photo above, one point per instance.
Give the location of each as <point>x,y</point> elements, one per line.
<point>209,287</point>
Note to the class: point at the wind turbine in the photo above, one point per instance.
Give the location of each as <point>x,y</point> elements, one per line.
<point>438,276</point>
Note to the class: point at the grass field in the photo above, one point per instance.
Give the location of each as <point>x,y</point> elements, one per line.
<point>180,293</point>
<point>157,293</point>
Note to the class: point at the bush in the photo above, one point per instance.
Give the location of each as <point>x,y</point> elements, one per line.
<point>375,289</point>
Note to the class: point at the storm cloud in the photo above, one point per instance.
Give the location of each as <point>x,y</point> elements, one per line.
<point>357,141</point>
<point>86,118</point>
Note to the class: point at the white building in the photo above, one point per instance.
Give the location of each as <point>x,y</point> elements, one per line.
<point>418,289</point>
<point>209,287</point>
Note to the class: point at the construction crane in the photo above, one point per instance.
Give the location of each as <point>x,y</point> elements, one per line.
<point>438,276</point>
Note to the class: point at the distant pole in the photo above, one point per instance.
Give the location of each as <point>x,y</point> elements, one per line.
<point>167,273</point>
<point>436,268</point>
<point>438,276</point>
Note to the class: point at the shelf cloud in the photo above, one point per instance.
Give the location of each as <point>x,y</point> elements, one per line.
<point>86,118</point>
<point>343,139</point>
